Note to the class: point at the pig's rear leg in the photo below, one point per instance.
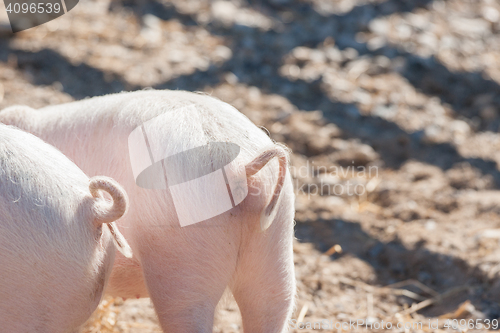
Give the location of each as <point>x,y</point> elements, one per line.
<point>264,283</point>
<point>187,273</point>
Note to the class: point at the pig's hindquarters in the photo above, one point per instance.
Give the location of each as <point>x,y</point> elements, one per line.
<point>187,269</point>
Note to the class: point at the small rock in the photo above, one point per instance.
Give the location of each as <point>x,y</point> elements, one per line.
<point>317,56</point>
<point>224,11</point>
<point>231,78</point>
<point>490,233</point>
<point>333,54</point>
<point>385,111</point>
<point>468,26</point>
<point>380,26</point>
<point>223,53</point>
<point>350,53</point>
<point>460,129</point>
<point>430,225</point>
<point>491,14</point>
<point>302,53</point>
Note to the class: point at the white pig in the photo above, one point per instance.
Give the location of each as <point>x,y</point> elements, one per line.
<point>55,256</point>
<point>185,270</point>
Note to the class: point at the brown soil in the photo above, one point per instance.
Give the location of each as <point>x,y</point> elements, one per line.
<point>408,91</point>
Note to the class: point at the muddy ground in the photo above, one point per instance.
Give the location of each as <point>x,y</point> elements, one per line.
<point>391,109</point>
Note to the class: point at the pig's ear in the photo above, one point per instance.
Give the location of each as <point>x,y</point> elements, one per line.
<point>108,212</point>
<point>17,115</point>
<point>268,214</point>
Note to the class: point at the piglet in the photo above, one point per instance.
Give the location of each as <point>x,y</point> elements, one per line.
<point>211,201</point>
<point>56,236</point>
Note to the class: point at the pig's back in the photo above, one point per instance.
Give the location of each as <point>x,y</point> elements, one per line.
<point>95,132</point>
<point>37,180</point>
<point>180,115</point>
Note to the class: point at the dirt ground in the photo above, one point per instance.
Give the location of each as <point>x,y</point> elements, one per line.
<point>391,109</point>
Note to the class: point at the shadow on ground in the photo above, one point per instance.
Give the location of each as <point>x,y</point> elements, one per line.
<point>260,69</point>
<point>394,262</point>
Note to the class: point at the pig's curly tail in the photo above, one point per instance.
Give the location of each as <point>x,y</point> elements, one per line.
<point>106,212</point>
<point>256,165</point>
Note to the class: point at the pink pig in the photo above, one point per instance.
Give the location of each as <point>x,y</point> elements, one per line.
<point>186,268</point>
<point>55,256</point>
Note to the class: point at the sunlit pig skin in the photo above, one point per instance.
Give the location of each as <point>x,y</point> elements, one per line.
<point>185,270</point>
<point>55,253</point>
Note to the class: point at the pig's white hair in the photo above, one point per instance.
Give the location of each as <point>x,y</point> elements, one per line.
<point>42,190</point>
<point>51,261</point>
<point>186,269</point>
<point>103,124</point>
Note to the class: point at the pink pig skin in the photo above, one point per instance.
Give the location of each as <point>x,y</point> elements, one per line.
<point>55,254</point>
<point>185,270</point>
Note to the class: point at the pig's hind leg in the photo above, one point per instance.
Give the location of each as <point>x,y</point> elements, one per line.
<point>187,270</point>
<point>264,282</point>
